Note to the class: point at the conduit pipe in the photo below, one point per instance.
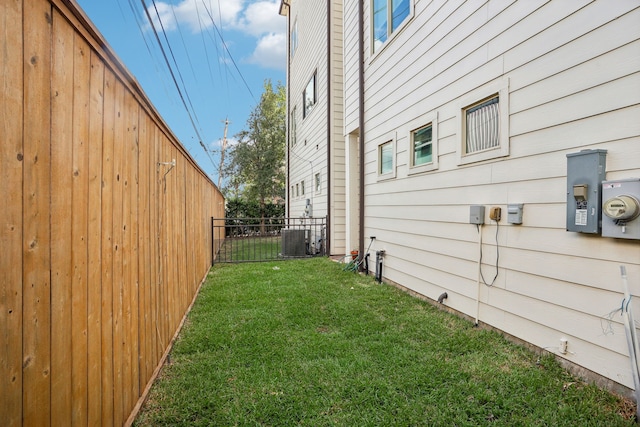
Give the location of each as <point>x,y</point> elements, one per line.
<point>479,274</point>
<point>632,337</point>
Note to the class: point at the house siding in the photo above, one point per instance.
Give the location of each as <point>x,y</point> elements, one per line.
<point>571,72</point>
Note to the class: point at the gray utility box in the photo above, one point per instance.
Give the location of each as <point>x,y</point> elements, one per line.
<point>294,243</point>
<point>585,172</point>
<point>621,208</point>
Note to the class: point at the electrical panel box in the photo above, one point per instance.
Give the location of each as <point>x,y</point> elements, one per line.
<point>514,213</point>
<point>621,208</point>
<point>585,173</point>
<point>476,214</point>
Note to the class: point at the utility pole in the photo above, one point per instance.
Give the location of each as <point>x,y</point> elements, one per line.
<point>222,150</point>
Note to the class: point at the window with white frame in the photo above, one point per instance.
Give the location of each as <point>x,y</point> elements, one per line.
<point>318,183</point>
<point>422,145</point>
<point>302,188</point>
<point>309,96</point>
<point>388,16</point>
<point>297,190</point>
<point>484,124</point>
<point>292,127</point>
<point>385,158</point>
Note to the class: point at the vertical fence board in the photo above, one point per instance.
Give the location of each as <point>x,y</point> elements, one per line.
<point>127,182</point>
<point>94,319</point>
<point>117,255</point>
<point>155,253</point>
<point>165,249</point>
<point>79,249</point>
<point>143,221</point>
<point>11,156</point>
<point>134,345</point>
<point>36,343</point>
<point>107,342</point>
<point>61,208</point>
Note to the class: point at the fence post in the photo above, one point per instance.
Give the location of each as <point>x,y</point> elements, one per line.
<point>213,241</point>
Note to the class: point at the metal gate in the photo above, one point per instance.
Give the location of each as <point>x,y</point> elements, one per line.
<point>268,239</point>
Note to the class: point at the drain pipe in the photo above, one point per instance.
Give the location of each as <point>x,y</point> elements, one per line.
<point>361,123</point>
<point>329,136</point>
<point>379,256</point>
<point>479,274</point>
<point>443,296</point>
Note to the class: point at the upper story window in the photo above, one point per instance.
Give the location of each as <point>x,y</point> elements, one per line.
<point>294,38</point>
<point>318,183</point>
<point>388,15</point>
<point>309,96</point>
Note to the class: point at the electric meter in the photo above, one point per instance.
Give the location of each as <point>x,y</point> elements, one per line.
<point>622,208</point>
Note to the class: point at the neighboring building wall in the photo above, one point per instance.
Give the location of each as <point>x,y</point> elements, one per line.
<point>336,123</point>
<point>309,151</point>
<point>308,156</point>
<point>103,248</point>
<point>568,72</point>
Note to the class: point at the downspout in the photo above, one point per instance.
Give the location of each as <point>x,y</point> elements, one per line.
<point>329,103</point>
<point>361,125</point>
<point>288,118</point>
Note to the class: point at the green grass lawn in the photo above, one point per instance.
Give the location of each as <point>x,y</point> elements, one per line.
<point>306,343</point>
<point>239,249</point>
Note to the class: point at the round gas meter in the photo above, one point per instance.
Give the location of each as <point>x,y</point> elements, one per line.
<point>621,208</point>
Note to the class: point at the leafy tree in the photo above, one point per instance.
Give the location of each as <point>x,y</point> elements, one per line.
<point>256,162</point>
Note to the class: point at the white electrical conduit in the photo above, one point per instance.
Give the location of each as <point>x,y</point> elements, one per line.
<point>632,337</point>
<point>479,274</point>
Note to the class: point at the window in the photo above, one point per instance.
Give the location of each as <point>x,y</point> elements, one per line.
<point>422,142</point>
<point>385,158</point>
<point>318,182</point>
<point>294,38</point>
<point>484,124</point>
<point>292,128</point>
<point>292,193</point>
<point>388,15</point>
<point>309,96</point>
<point>302,188</point>
<point>297,190</point>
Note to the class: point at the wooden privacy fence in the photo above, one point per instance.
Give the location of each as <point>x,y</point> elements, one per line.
<point>104,240</point>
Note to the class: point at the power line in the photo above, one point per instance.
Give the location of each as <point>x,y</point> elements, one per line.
<point>184,103</point>
<point>230,56</point>
<point>164,33</point>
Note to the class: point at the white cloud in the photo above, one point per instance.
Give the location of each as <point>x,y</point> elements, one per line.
<point>261,18</point>
<point>270,51</point>
<point>258,19</point>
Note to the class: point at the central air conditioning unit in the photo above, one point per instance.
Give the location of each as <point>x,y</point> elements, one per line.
<point>293,243</point>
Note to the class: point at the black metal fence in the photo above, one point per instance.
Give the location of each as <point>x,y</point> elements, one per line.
<point>269,239</point>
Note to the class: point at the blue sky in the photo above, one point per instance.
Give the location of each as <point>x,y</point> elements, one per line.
<point>220,82</point>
